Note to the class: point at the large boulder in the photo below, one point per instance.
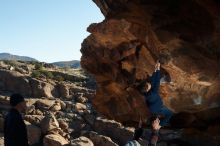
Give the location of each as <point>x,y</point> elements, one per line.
<point>115,130</point>
<point>41,89</point>
<point>54,140</point>
<point>122,50</point>
<point>15,82</point>
<point>82,141</point>
<point>34,133</point>
<point>100,140</point>
<point>49,124</point>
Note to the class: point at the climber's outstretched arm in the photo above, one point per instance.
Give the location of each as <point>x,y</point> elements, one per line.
<point>155,78</point>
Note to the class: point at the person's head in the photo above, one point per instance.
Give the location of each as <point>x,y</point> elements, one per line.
<point>144,86</point>
<point>154,120</point>
<point>17,101</point>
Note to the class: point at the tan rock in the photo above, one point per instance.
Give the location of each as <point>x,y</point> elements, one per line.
<point>80,106</point>
<point>82,141</point>
<point>49,124</point>
<point>63,90</point>
<point>13,80</point>
<point>100,140</point>
<point>41,89</point>
<point>81,99</point>
<point>44,104</point>
<point>63,125</point>
<point>34,119</point>
<point>34,133</point>
<point>54,140</point>
<point>56,106</point>
<point>1,139</point>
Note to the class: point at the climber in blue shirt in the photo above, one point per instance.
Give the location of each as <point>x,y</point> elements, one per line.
<point>153,99</point>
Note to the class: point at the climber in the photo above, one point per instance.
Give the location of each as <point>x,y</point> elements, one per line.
<point>152,138</point>
<point>15,132</point>
<point>150,89</point>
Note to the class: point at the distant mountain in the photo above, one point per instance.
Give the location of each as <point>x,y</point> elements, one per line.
<point>7,56</point>
<point>71,64</point>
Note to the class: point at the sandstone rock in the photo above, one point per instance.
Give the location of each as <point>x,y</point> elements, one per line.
<point>81,99</point>
<point>114,130</point>
<point>69,106</point>
<point>34,119</point>
<point>12,81</point>
<point>80,106</point>
<point>121,52</point>
<point>77,125</point>
<point>63,90</point>
<point>89,118</point>
<point>49,124</point>
<point>1,140</point>
<point>41,89</point>
<point>54,140</point>
<point>82,141</point>
<point>34,133</point>
<point>56,106</point>
<point>63,105</point>
<point>100,140</point>
<point>44,104</point>
<point>63,125</point>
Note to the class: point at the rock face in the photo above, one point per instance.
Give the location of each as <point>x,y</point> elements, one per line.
<point>122,50</point>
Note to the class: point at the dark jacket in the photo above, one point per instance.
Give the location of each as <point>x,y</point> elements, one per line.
<point>152,98</point>
<point>15,132</point>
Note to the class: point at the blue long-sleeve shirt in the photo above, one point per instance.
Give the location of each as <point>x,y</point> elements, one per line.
<point>152,97</point>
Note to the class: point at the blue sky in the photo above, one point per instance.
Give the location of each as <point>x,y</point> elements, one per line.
<point>48,30</point>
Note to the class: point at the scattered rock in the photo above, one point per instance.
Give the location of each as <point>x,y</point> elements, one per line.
<point>34,133</point>
<point>54,140</point>
<point>44,104</point>
<point>63,125</point>
<point>81,141</point>
<point>1,139</point>
<point>81,99</point>
<point>100,140</point>
<point>63,90</point>
<point>80,106</point>
<point>34,119</point>
<point>114,130</point>
<point>49,124</point>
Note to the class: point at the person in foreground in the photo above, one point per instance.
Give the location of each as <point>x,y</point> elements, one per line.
<point>15,132</point>
<point>152,139</point>
<point>150,89</point>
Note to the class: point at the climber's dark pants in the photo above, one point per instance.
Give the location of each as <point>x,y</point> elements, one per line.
<point>167,114</point>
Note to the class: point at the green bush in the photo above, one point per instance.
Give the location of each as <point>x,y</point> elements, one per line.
<point>38,66</point>
<point>48,74</point>
<point>38,73</point>
<point>35,74</point>
<point>59,78</point>
<point>10,62</point>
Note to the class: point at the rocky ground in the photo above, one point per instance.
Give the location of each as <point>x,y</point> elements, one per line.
<point>60,112</point>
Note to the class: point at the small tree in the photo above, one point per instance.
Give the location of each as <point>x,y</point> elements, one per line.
<point>35,74</point>
<point>59,78</point>
<point>38,66</point>
<point>48,74</point>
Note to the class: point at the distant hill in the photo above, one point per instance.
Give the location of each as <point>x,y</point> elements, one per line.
<point>7,56</point>
<point>71,64</point>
